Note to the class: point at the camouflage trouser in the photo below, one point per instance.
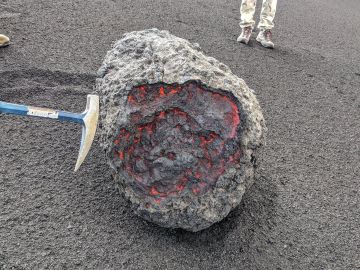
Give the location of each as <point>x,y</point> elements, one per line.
<point>267,15</point>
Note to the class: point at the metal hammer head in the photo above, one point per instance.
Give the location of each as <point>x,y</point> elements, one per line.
<point>91,115</point>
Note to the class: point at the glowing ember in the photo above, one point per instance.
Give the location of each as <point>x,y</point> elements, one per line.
<point>181,139</point>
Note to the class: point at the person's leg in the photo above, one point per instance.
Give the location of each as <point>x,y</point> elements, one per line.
<point>267,23</point>
<point>247,10</point>
<point>267,14</point>
<point>4,41</point>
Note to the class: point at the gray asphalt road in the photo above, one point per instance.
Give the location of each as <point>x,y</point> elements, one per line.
<point>303,212</point>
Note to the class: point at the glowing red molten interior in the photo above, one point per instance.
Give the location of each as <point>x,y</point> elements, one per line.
<point>180,138</point>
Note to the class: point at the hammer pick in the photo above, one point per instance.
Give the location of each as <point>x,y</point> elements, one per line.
<point>88,119</point>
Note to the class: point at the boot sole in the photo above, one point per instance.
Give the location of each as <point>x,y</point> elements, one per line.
<point>243,41</point>
<point>5,44</point>
<point>265,45</point>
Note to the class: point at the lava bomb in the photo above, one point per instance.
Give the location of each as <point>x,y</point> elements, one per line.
<point>179,129</point>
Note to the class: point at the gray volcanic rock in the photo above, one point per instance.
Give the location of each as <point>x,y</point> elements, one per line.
<point>167,112</point>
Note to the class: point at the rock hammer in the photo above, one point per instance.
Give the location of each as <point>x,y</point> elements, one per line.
<point>88,119</point>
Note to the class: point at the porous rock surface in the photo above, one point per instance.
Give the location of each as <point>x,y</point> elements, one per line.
<point>153,56</point>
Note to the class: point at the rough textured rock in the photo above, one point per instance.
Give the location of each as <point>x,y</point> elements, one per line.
<point>147,85</point>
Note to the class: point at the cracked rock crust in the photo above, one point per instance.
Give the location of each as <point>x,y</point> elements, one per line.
<point>153,56</point>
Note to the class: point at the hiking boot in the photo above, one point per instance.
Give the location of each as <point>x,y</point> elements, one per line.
<point>264,37</point>
<point>4,41</point>
<point>245,35</point>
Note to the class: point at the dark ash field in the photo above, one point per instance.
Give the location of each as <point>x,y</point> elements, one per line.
<point>303,212</point>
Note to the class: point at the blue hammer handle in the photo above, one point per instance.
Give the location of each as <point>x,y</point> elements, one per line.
<point>10,108</point>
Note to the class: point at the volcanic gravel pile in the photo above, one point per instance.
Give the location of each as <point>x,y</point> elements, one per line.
<point>179,129</point>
